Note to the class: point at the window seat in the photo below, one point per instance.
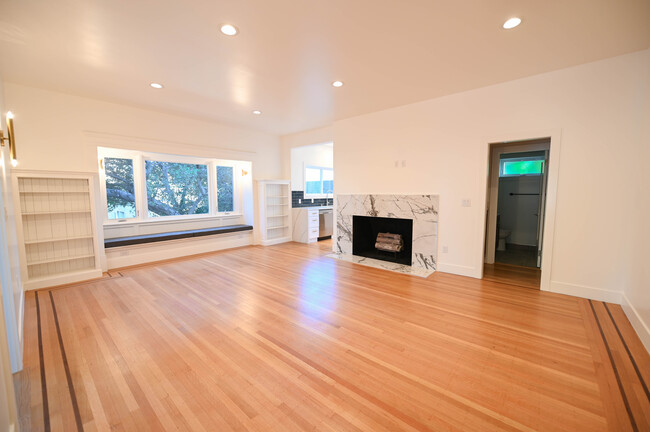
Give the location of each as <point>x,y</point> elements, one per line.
<point>151,238</point>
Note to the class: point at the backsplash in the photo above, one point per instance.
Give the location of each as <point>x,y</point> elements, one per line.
<point>300,195</point>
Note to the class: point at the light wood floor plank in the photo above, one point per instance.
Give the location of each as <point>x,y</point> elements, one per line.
<point>283,338</point>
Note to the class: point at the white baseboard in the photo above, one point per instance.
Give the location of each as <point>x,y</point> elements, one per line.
<point>458,270</point>
<point>125,256</point>
<point>275,241</point>
<point>62,279</point>
<point>642,328</point>
<point>583,291</point>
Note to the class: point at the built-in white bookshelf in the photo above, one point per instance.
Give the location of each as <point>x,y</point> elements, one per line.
<point>275,211</point>
<point>56,228</point>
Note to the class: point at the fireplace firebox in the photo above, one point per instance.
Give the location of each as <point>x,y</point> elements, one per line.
<point>365,230</point>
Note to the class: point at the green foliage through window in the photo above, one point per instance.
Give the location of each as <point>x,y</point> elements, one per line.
<point>521,167</point>
<point>120,194</point>
<point>175,188</point>
<point>166,188</point>
<point>225,189</point>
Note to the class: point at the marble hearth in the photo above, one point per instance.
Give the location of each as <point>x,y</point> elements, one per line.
<point>422,209</point>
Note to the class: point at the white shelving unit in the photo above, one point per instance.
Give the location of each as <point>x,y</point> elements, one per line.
<point>275,211</point>
<point>56,228</point>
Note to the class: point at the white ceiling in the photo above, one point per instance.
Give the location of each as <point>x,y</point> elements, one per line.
<point>388,53</point>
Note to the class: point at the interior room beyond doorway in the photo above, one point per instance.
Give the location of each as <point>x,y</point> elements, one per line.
<point>515,211</point>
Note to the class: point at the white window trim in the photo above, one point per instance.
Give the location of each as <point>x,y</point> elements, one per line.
<point>142,210</point>
<point>304,185</point>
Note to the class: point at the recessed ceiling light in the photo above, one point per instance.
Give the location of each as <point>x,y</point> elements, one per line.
<point>257,112</point>
<point>337,83</point>
<point>512,23</point>
<point>156,85</point>
<point>229,29</point>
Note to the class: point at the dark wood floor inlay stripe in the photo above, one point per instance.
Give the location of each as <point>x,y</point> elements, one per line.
<point>46,410</point>
<point>629,353</point>
<point>284,339</point>
<point>616,373</point>
<point>68,376</point>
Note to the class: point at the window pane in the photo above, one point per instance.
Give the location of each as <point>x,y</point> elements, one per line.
<point>328,180</point>
<point>120,192</point>
<point>225,189</point>
<point>312,187</point>
<point>176,188</point>
<point>312,181</point>
<point>515,168</point>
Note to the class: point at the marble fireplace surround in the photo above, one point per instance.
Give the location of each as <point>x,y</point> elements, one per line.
<point>423,209</point>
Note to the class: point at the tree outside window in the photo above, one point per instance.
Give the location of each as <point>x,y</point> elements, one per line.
<point>225,189</point>
<point>175,189</point>
<point>170,188</point>
<point>120,194</point>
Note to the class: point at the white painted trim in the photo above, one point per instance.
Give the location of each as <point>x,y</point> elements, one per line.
<point>49,173</point>
<point>62,279</point>
<point>458,270</point>
<point>642,328</point>
<point>125,256</point>
<point>103,139</point>
<point>189,218</point>
<point>493,189</point>
<point>13,324</point>
<point>275,241</point>
<point>98,234</point>
<point>140,158</point>
<point>584,291</point>
<point>551,195</point>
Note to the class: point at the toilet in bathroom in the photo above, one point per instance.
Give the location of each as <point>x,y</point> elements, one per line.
<point>503,236</point>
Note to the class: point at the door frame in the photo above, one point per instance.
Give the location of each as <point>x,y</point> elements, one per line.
<point>496,150</point>
<point>555,136</point>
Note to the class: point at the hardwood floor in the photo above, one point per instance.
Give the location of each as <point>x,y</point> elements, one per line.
<point>283,338</point>
<point>527,277</point>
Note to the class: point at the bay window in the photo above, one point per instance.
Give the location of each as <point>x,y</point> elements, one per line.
<point>141,186</point>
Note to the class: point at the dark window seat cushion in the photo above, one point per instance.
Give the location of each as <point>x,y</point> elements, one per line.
<point>151,238</point>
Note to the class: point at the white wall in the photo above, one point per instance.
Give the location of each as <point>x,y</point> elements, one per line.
<point>321,155</point>
<point>636,287</point>
<point>518,212</point>
<point>11,299</point>
<point>598,109</point>
<point>61,132</point>
<point>287,142</point>
<point>12,287</point>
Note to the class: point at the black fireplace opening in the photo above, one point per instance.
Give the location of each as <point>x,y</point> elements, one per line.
<point>364,237</point>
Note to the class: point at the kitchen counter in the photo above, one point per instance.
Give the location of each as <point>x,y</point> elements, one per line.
<point>315,207</point>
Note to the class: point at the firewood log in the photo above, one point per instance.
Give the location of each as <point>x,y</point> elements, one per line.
<point>389,247</point>
<point>389,242</point>
<point>389,235</point>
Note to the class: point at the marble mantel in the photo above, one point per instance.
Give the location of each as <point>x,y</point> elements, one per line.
<point>422,209</point>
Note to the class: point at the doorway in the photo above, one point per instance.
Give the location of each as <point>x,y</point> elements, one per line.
<point>516,203</point>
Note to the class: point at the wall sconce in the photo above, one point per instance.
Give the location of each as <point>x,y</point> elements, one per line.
<point>11,138</point>
<point>244,173</point>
